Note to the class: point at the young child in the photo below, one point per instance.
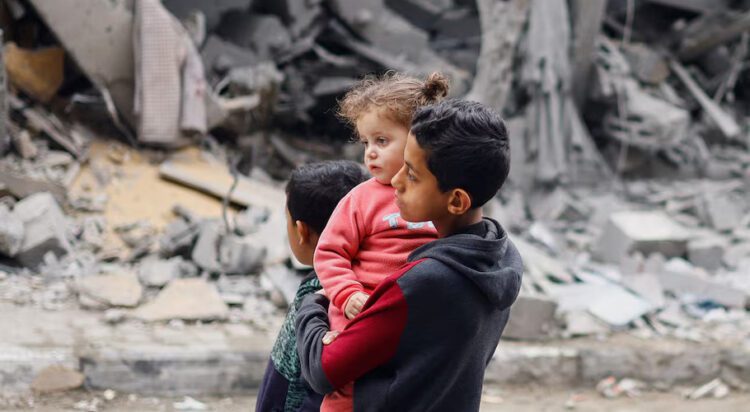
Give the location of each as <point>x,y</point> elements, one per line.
<point>366,238</point>
<point>426,334</point>
<point>312,193</point>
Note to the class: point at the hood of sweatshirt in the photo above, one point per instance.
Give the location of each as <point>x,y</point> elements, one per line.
<point>491,262</point>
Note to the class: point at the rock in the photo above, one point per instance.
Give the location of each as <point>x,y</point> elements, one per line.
<point>679,278</point>
<point>707,253</point>
<point>45,228</point>
<point>643,231</point>
<point>57,378</point>
<point>241,254</point>
<point>735,253</point>
<point>158,272</point>
<point>722,212</point>
<point>531,317</point>
<point>264,34</point>
<point>11,232</point>
<point>188,299</point>
<point>119,289</point>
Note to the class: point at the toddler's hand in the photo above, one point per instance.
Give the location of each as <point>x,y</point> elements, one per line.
<point>355,303</point>
<point>330,336</point>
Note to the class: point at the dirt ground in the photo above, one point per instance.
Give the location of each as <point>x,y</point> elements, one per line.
<point>513,399</point>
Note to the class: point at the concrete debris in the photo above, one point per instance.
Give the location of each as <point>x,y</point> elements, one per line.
<point>531,318</point>
<point>190,404</point>
<point>707,253</point>
<point>723,212</point>
<point>610,387</point>
<point>157,272</point>
<point>178,301</point>
<point>119,289</point>
<point>640,231</point>
<point>680,278</point>
<point>284,280</point>
<point>11,232</point>
<point>45,229</point>
<point>715,388</point>
<point>57,378</point>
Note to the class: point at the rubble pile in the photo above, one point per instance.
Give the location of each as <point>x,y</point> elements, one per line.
<point>629,189</point>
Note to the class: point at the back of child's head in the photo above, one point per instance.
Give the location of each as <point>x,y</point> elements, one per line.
<point>396,95</point>
<point>466,144</point>
<point>315,189</point>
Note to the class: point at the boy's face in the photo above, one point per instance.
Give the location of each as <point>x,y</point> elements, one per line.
<point>384,142</point>
<point>417,194</point>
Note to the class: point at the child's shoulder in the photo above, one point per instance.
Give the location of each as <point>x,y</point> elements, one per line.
<point>367,189</point>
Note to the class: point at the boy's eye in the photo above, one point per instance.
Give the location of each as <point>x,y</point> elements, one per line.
<point>410,176</point>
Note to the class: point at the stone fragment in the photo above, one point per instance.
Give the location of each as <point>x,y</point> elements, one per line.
<point>531,317</point>
<point>707,253</point>
<point>679,278</point>
<point>722,212</point>
<point>642,231</point>
<point>57,378</point>
<point>158,272</point>
<point>45,228</point>
<point>11,232</point>
<point>187,299</point>
<point>118,289</point>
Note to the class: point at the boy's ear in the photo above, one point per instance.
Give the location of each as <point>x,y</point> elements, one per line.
<point>459,202</point>
<point>303,231</point>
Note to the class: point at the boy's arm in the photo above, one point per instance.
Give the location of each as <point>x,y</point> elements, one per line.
<point>337,247</point>
<point>370,340</point>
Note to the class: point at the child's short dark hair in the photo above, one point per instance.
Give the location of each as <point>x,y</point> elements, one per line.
<point>466,145</point>
<point>315,189</point>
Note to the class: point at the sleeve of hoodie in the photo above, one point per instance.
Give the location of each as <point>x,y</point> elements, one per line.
<point>337,247</point>
<point>367,342</point>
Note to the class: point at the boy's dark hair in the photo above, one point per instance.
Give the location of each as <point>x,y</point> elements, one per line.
<point>466,144</point>
<point>315,189</point>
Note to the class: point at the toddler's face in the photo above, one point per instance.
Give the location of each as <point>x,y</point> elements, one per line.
<point>384,141</point>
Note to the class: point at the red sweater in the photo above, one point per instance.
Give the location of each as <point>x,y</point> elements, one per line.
<point>365,241</point>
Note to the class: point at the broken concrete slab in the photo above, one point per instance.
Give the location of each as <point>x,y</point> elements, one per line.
<point>723,211</point>
<point>98,36</point>
<point>117,289</point>
<point>262,33</point>
<point>158,272</point>
<point>11,232</point>
<point>735,253</point>
<point>57,378</point>
<point>213,10</point>
<point>647,286</point>
<point>640,231</point>
<point>241,254</point>
<point>678,278</point>
<point>39,73</point>
<point>178,301</point>
<point>215,179</point>
<point>531,317</point>
<point>707,253</point>
<point>221,55</point>
<point>606,301</point>
<point>284,280</point>
<point>45,229</point>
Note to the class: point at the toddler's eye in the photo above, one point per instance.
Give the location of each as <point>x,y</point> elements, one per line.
<point>381,141</point>
<point>363,142</point>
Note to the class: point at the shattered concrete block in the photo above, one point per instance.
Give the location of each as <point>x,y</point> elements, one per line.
<point>647,286</point>
<point>178,237</point>
<point>642,231</point>
<point>158,272</point>
<point>11,232</point>
<point>206,250</point>
<point>264,34</point>
<point>187,299</point>
<point>118,289</point>
<point>723,212</point>
<point>707,253</point>
<point>45,228</point>
<point>284,280</point>
<point>213,10</point>
<point>99,37</point>
<point>241,254</point>
<point>678,278</point>
<point>221,55</point>
<point>736,253</point>
<point>57,378</point>
<point>531,317</point>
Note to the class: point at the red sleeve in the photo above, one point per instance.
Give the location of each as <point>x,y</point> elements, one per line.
<point>337,247</point>
<point>371,338</point>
